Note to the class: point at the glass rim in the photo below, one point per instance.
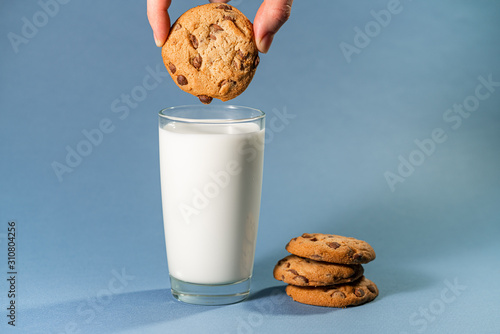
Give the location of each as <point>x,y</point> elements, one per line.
<point>162,114</point>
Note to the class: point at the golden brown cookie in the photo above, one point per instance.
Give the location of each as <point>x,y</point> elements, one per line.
<point>343,295</point>
<point>305,272</point>
<point>331,248</point>
<point>211,52</point>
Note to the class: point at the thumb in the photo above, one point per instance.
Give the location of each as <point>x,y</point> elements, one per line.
<point>271,15</point>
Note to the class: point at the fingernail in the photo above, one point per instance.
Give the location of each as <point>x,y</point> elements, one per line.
<point>265,43</point>
<point>157,41</point>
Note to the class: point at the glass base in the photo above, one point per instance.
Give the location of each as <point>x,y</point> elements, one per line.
<point>210,294</point>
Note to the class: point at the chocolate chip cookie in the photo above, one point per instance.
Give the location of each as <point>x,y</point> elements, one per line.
<point>305,272</point>
<point>211,52</point>
<point>343,295</point>
<point>331,248</point>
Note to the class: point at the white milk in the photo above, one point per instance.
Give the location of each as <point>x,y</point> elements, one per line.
<point>211,179</point>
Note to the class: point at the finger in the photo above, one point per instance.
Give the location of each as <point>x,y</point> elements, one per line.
<point>271,15</point>
<point>159,20</point>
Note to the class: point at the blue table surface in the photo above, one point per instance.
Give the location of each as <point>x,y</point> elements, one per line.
<point>386,128</point>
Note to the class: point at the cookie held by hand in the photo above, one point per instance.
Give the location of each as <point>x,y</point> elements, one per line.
<point>211,52</point>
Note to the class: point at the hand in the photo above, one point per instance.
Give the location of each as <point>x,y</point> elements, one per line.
<point>271,15</point>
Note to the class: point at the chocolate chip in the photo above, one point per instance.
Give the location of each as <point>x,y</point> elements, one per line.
<point>177,26</point>
<point>314,239</point>
<point>288,264</point>
<point>194,41</point>
<point>338,294</point>
<point>350,252</point>
<point>293,271</point>
<point>226,86</point>
<point>302,278</point>
<point>316,257</point>
<point>256,61</point>
<point>359,292</point>
<point>229,18</point>
<point>172,68</point>
<point>181,80</point>
<point>197,62</point>
<point>307,235</point>
<point>358,257</point>
<point>372,289</point>
<point>282,277</point>
<point>225,7</point>
<point>242,55</point>
<point>215,28</point>
<point>205,99</point>
<point>212,37</point>
<point>333,245</point>
<point>238,65</point>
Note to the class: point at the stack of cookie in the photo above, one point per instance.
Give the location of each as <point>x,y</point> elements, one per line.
<point>326,270</point>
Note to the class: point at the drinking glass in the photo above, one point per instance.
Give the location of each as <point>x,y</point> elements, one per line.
<point>211,162</point>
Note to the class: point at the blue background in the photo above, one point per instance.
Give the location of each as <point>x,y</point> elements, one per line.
<point>349,121</point>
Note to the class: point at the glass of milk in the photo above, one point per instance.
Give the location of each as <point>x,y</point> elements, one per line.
<point>211,161</point>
